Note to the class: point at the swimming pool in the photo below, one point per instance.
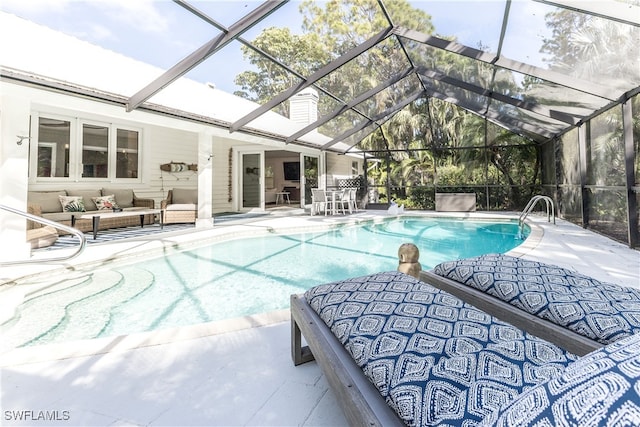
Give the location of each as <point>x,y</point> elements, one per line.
<point>238,277</point>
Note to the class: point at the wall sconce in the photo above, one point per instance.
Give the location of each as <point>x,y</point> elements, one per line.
<point>22,138</point>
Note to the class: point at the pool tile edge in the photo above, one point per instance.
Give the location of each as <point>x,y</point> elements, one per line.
<point>123,343</point>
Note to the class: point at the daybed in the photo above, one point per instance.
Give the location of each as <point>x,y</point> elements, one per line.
<point>47,205</point>
<point>399,351</point>
<point>601,312</point>
<point>180,206</point>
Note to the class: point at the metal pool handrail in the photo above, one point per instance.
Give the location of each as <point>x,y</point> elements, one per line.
<point>39,219</point>
<point>525,212</point>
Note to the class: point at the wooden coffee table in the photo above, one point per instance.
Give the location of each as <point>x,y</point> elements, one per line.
<point>95,216</point>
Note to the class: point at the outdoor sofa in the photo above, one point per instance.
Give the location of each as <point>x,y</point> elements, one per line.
<point>402,351</point>
<point>47,205</point>
<point>180,206</point>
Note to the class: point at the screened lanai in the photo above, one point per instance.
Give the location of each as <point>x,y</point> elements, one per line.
<point>504,99</point>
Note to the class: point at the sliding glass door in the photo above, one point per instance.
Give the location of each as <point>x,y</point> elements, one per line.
<point>250,173</point>
<point>310,178</point>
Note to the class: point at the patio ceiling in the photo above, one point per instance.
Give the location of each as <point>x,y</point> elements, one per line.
<point>506,79</point>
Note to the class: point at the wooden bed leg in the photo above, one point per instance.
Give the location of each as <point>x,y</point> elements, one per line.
<point>299,354</point>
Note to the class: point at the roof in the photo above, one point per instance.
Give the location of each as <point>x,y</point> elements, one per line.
<point>62,61</point>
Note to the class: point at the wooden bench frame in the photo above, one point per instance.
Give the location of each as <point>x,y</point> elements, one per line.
<point>549,331</point>
<point>360,401</point>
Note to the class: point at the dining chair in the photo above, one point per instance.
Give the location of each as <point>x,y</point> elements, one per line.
<point>345,200</point>
<point>353,199</point>
<point>319,201</point>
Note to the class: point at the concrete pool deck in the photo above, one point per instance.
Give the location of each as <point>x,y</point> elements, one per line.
<point>232,373</point>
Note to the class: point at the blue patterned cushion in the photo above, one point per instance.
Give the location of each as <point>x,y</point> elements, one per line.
<point>602,311</point>
<point>433,358</point>
<point>600,389</point>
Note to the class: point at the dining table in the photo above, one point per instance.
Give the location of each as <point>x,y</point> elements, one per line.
<point>332,197</point>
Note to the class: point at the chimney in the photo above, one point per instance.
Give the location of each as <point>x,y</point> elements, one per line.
<point>303,106</point>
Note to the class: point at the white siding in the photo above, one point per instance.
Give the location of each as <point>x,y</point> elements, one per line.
<point>222,190</point>
<point>339,167</point>
<point>163,140</point>
<point>164,145</point>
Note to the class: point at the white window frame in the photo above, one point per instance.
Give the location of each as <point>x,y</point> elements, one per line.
<point>76,147</point>
<point>113,161</point>
<point>80,148</point>
<point>54,154</point>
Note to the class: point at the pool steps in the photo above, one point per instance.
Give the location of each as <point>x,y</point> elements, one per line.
<point>72,307</point>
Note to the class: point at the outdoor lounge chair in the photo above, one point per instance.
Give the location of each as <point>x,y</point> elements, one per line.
<point>180,206</point>
<point>602,312</point>
<point>399,351</point>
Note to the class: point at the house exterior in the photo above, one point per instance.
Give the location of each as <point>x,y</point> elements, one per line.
<point>63,124</point>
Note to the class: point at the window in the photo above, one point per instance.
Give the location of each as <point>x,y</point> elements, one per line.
<point>54,138</point>
<point>83,149</point>
<point>354,168</point>
<point>95,151</point>
<point>127,154</point>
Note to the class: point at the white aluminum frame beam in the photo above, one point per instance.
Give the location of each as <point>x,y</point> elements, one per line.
<point>319,74</point>
<point>350,105</point>
<point>525,105</point>
<point>625,13</point>
<point>511,124</point>
<point>256,49</point>
<point>520,67</point>
<point>386,113</point>
<point>204,52</point>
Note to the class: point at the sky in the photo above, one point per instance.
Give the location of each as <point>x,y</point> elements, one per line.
<point>161,33</point>
<point>158,32</point>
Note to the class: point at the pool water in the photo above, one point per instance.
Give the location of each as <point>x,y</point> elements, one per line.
<point>239,277</point>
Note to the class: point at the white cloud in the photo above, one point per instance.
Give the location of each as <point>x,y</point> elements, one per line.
<point>140,14</point>
<point>33,7</point>
<point>143,15</point>
<point>100,32</point>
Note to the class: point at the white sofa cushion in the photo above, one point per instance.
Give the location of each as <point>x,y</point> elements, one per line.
<point>47,200</point>
<point>42,237</point>
<point>184,196</point>
<point>182,207</point>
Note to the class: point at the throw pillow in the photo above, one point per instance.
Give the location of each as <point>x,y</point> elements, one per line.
<point>105,202</point>
<point>123,196</point>
<point>87,197</point>
<point>72,203</point>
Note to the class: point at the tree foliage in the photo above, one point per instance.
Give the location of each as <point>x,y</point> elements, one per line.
<point>302,53</point>
<point>596,49</point>
<point>431,143</point>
